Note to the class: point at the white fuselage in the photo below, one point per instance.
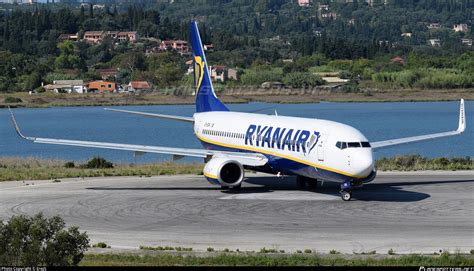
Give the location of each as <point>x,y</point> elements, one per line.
<point>307,147</point>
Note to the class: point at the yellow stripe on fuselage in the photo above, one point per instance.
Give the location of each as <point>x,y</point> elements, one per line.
<point>279,155</point>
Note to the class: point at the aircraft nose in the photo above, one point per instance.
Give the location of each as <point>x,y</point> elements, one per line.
<point>365,164</point>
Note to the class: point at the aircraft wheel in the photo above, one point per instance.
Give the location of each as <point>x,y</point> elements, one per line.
<point>346,195</point>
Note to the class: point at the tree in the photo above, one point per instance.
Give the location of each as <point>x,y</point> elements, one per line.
<point>40,241</point>
<point>67,58</point>
<point>168,74</point>
<point>147,29</point>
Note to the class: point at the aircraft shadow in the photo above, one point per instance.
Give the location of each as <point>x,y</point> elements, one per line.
<point>382,192</point>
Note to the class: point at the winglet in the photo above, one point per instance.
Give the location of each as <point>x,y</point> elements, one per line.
<point>17,128</point>
<point>462,118</point>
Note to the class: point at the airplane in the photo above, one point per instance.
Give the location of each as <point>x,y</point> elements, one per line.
<point>310,149</point>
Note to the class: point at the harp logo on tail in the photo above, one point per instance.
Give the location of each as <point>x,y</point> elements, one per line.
<point>198,72</point>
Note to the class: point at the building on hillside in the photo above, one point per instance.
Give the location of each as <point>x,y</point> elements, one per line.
<point>98,36</point>
<point>179,46</point>
<point>223,73</point>
<point>460,28</point>
<point>101,86</point>
<point>111,34</point>
<point>407,35</point>
<point>67,86</point>
<point>93,36</point>
<point>218,73</point>
<point>304,3</point>
<point>323,7</point>
<point>130,36</point>
<point>190,65</point>
<point>208,47</point>
<point>329,16</point>
<point>106,74</point>
<point>232,74</point>
<point>434,42</point>
<point>376,2</point>
<point>398,60</point>
<point>72,37</point>
<point>138,86</point>
<point>434,26</point>
<point>467,42</point>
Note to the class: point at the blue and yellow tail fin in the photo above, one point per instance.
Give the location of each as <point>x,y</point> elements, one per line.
<point>206,99</point>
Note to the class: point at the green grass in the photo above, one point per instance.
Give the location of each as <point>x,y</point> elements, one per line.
<point>15,169</point>
<point>417,162</point>
<point>271,260</point>
<point>166,248</point>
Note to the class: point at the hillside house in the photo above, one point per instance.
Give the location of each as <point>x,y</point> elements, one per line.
<point>180,46</point>
<point>434,26</point>
<point>398,60</point>
<point>98,36</point>
<point>71,37</point>
<point>106,74</point>
<point>130,36</point>
<point>460,28</point>
<point>93,36</point>
<point>434,42</point>
<point>466,42</point>
<point>223,73</point>
<point>304,3</point>
<point>138,86</point>
<point>208,47</point>
<point>67,86</point>
<point>101,86</point>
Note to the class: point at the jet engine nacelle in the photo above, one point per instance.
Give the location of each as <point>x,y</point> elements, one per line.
<point>224,171</point>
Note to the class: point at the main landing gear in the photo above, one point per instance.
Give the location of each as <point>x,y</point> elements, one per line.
<point>305,182</point>
<point>346,191</point>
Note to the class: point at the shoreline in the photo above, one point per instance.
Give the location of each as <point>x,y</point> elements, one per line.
<point>235,97</point>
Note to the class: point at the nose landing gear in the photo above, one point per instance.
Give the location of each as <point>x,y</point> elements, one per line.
<point>346,195</point>
<point>346,191</point>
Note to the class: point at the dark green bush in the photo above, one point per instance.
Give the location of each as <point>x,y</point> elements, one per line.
<point>101,245</point>
<point>69,165</point>
<point>40,241</point>
<point>12,100</point>
<point>98,162</point>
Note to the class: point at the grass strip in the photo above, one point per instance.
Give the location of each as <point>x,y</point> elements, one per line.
<point>273,260</point>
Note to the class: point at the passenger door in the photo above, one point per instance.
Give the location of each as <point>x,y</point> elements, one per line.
<point>320,148</point>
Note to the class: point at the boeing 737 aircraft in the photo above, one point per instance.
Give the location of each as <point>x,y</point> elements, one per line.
<point>311,149</point>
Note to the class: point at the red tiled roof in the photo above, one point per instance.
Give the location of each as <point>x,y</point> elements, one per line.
<point>140,84</point>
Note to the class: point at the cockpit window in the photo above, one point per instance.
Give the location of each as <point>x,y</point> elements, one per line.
<point>343,145</point>
<point>353,144</point>
<point>365,144</point>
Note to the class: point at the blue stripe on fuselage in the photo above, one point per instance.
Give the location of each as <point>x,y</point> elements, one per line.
<point>287,166</point>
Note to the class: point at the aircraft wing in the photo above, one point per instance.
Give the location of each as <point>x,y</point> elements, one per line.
<point>179,118</point>
<point>248,159</point>
<point>405,140</point>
